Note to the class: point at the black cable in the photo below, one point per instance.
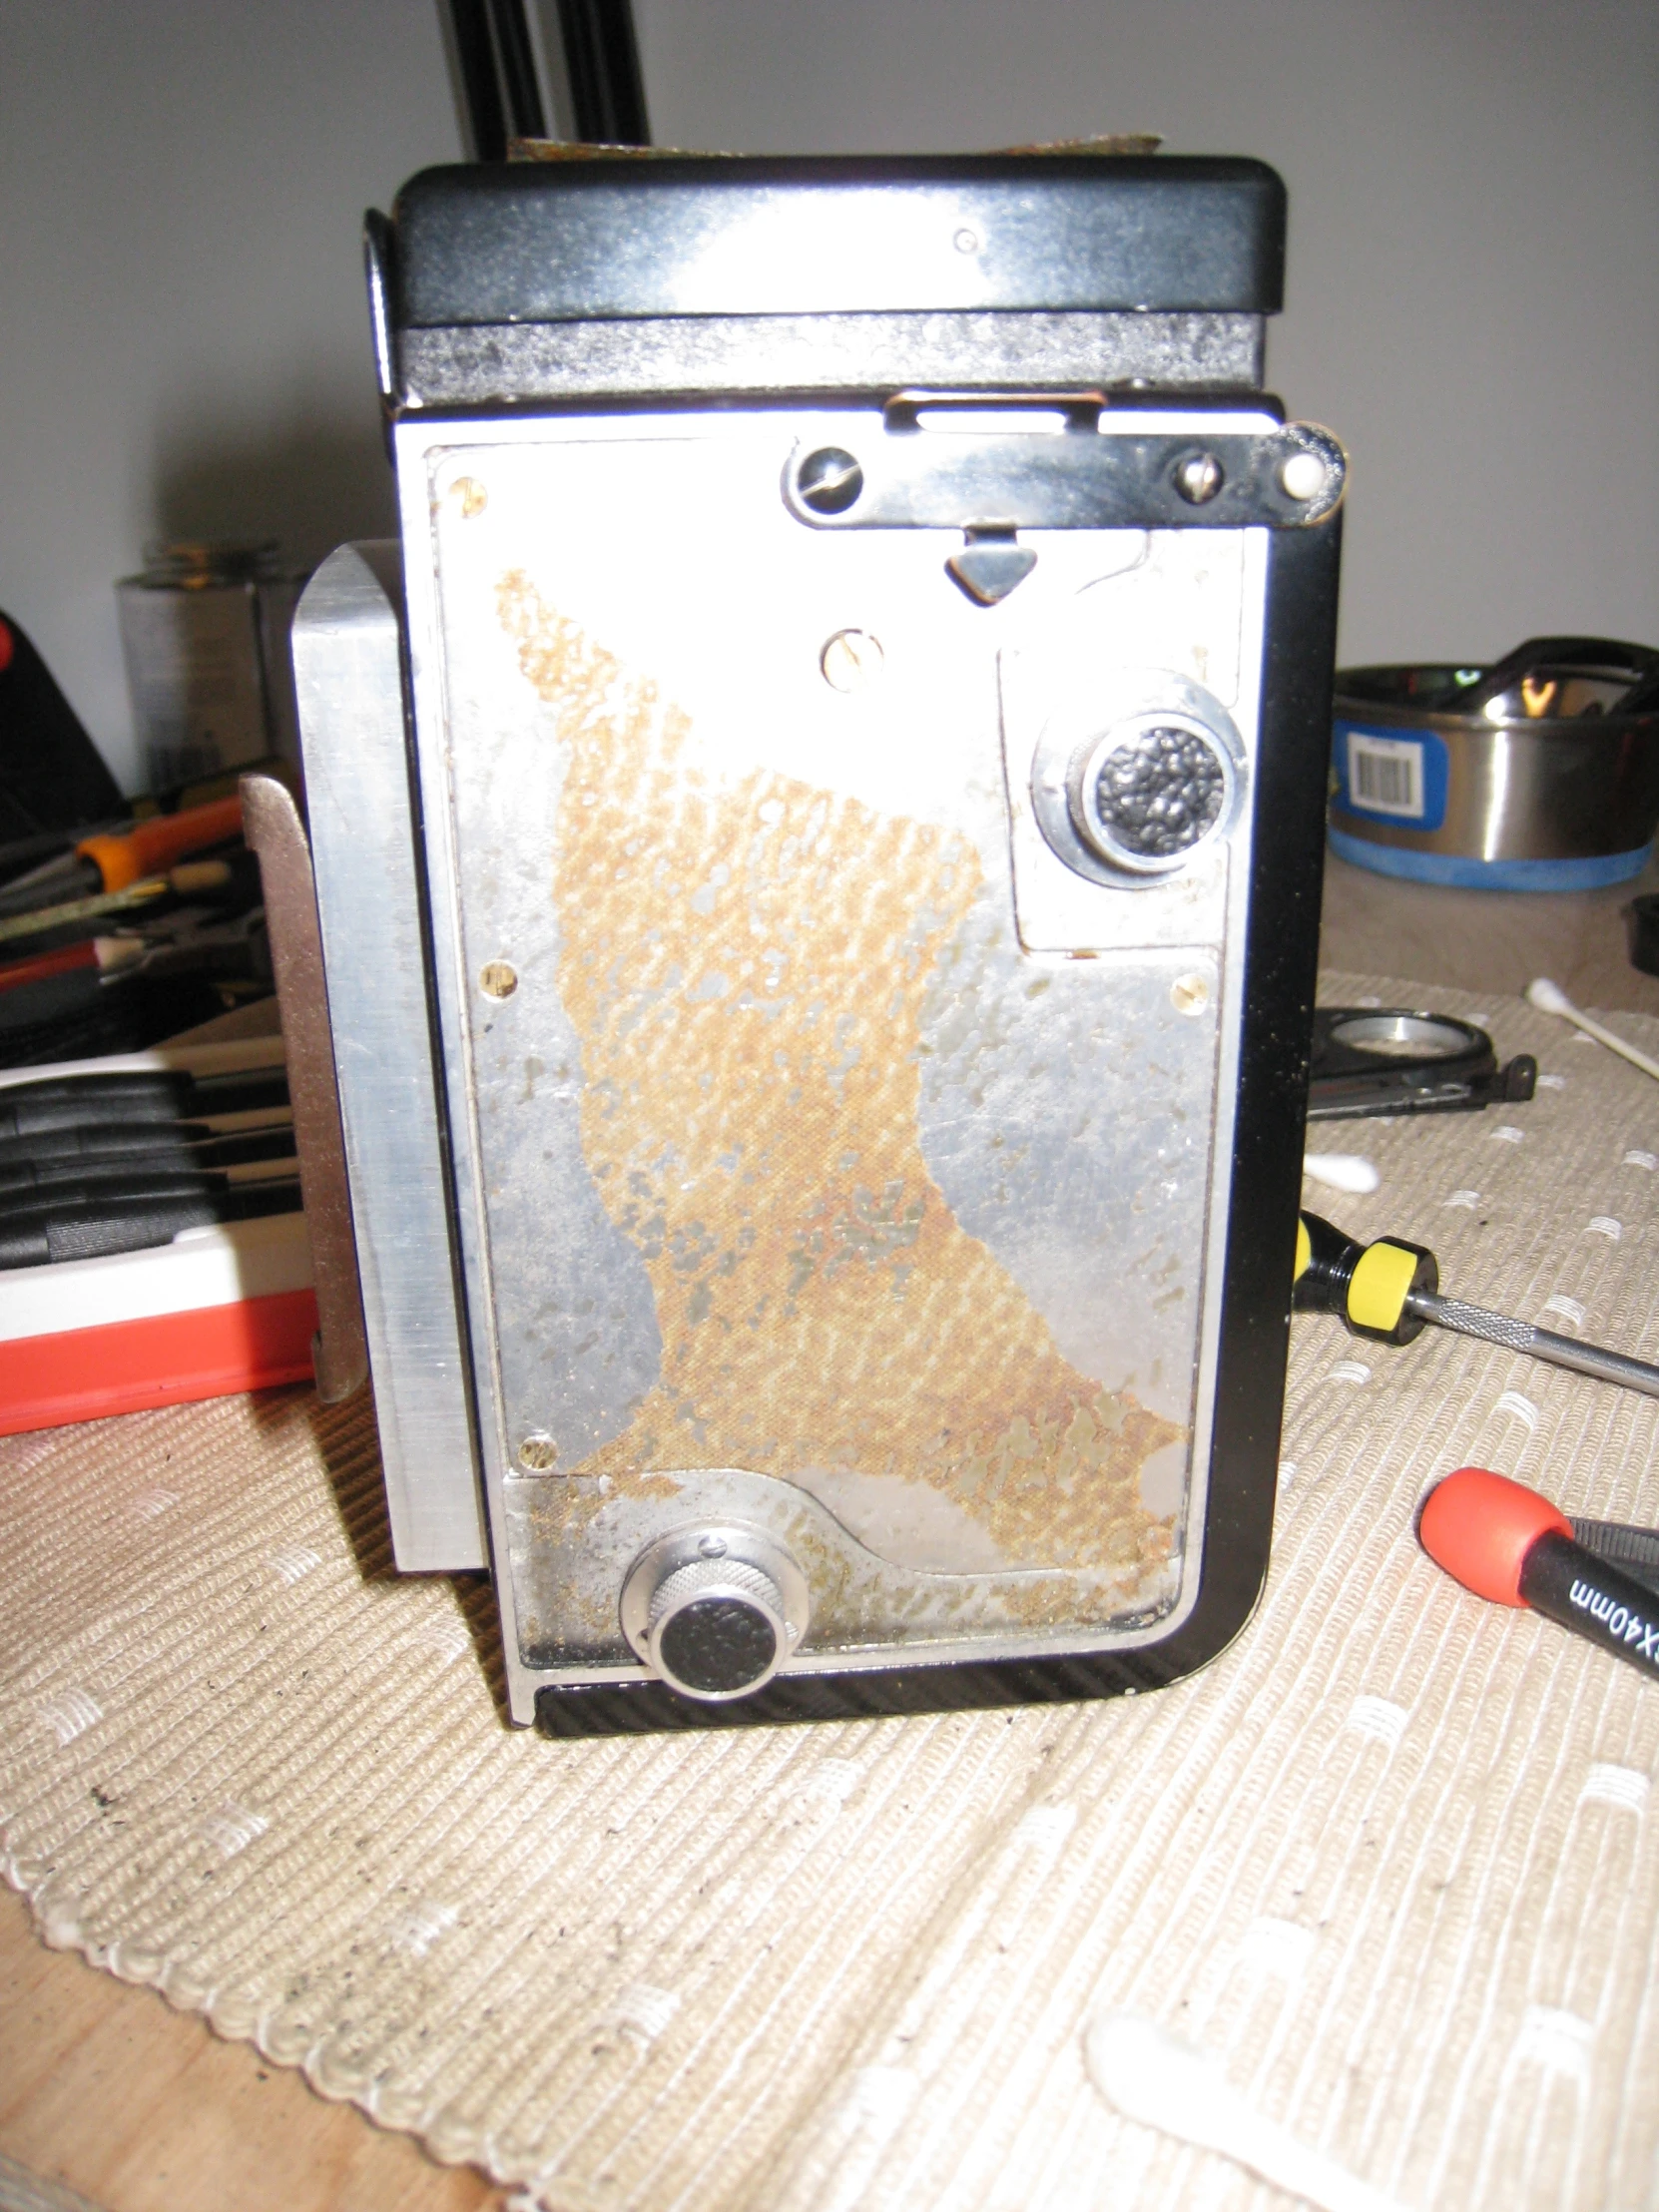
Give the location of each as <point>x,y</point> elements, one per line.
<point>602,61</point>
<point>517,64</point>
<point>475,56</point>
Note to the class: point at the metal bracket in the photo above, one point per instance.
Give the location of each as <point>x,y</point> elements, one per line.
<point>271,825</point>
<point>1076,479</point>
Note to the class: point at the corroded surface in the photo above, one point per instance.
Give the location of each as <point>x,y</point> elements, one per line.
<point>744,963</point>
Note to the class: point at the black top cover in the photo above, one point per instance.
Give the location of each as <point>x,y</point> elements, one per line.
<point>716,236</point>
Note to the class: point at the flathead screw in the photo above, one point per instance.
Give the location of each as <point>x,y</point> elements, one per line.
<point>829,481</point>
<point>1197,478</point>
<point>849,660</point>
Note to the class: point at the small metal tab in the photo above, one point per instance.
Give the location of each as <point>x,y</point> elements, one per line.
<point>1114,477</point>
<point>990,565</point>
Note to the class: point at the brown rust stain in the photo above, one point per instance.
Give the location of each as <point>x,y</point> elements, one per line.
<point>744,963</point>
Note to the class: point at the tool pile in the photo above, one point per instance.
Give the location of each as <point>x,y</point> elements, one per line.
<point>97,1164</point>
<point>151,1243</point>
<point>114,941</point>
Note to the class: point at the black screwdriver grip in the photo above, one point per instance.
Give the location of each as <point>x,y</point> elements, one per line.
<point>1600,1601</point>
<point>35,1109</point>
<point>64,1155</point>
<point>98,1230</point>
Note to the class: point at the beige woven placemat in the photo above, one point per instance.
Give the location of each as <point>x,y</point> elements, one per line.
<point>1391,1861</point>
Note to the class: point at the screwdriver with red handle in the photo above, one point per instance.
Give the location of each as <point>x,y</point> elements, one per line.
<point>1509,1545</point>
<point>1390,1292</point>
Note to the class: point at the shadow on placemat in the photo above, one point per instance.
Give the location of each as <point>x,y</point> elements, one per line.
<point>348,1447</point>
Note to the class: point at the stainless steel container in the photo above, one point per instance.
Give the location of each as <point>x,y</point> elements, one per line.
<point>1539,773</point>
<point>205,634</point>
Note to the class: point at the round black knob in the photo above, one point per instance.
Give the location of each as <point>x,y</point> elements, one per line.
<point>717,1646</point>
<point>714,1611</point>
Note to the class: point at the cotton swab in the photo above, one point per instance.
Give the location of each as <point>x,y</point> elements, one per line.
<point>1549,998</point>
<point>1153,2077</point>
<point>1342,1171</point>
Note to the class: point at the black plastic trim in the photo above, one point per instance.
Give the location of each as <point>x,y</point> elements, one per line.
<point>1281,958</point>
<point>727,235</point>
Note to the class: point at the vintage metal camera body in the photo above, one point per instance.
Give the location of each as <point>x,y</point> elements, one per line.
<point>821,978</point>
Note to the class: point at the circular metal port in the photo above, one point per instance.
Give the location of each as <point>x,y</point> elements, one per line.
<point>1133,785</point>
<point>1145,796</point>
<point>714,1611</point>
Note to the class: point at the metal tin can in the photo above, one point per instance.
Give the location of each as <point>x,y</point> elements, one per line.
<point>1540,773</point>
<point>205,635</point>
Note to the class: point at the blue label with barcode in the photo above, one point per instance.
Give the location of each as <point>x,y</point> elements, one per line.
<point>1390,775</point>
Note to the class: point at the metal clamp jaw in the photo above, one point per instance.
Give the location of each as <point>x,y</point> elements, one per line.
<point>272,827</point>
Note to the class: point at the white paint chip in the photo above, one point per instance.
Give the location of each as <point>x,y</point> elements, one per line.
<point>1286,1472</point>
<point>1647,1160</point>
<point>1624,1787</point>
<point>1470,1199</point>
<point>1506,1133</point>
<point>449,1639</point>
<point>833,1781</point>
<point>415,1931</point>
<point>1569,1308</point>
<point>877,2098</point>
<point>1379,1719</point>
<point>1045,1827</point>
<point>292,1565</point>
<point>1552,1082</point>
<point>1603,1225</point>
<point>69,1715</point>
<point>230,1828</point>
<point>150,1503</point>
<point>1349,1371</point>
<point>1277,1947</point>
<point>1522,1408</point>
<point>1559,2042</point>
<point>643,2011</point>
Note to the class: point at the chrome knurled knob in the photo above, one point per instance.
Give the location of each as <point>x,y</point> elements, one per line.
<point>714,1611</point>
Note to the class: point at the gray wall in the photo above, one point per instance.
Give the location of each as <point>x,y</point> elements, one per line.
<point>184,346</point>
<point>1473,289</point>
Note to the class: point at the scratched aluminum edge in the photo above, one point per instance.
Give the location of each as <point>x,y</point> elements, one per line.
<point>414,441</point>
<point>1234,1545</point>
<point>348,661</point>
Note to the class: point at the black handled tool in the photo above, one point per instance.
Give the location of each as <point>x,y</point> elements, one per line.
<point>101,1226</point>
<point>1389,1291</point>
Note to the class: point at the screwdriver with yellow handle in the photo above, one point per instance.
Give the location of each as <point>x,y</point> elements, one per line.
<point>1390,1291</point>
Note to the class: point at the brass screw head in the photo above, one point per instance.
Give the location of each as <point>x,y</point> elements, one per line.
<point>849,660</point>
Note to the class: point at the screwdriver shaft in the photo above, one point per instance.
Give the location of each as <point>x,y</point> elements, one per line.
<point>1539,1343</point>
